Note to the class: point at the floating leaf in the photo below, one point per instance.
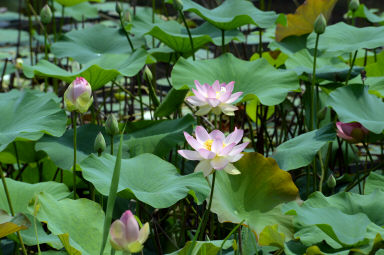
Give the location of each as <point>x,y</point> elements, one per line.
<point>75,2</point>
<point>343,38</point>
<point>29,115</point>
<point>70,220</point>
<point>301,150</point>
<point>85,45</point>
<point>255,79</point>
<point>11,224</point>
<point>134,181</point>
<point>255,195</point>
<point>302,21</point>
<point>354,103</point>
<point>232,14</point>
<point>97,72</point>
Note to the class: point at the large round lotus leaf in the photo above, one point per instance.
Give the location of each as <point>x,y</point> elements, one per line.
<point>27,115</point>
<point>342,220</point>
<point>78,223</point>
<point>94,42</point>
<point>158,137</point>
<point>74,2</point>
<point>342,38</point>
<point>140,177</point>
<point>332,69</point>
<point>21,193</point>
<point>97,72</point>
<point>175,36</point>
<point>79,12</point>
<point>364,12</point>
<point>355,103</point>
<point>232,14</point>
<point>373,182</point>
<point>300,151</point>
<point>255,195</point>
<point>302,21</point>
<point>255,79</point>
<point>375,69</point>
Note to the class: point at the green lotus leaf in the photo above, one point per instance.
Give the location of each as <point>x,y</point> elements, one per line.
<point>79,11</point>
<point>364,12</point>
<point>75,2</point>
<point>301,150</point>
<point>373,182</point>
<point>232,14</point>
<point>332,69</point>
<point>28,115</point>
<point>342,38</point>
<point>134,181</point>
<point>97,72</point>
<point>355,103</point>
<point>254,78</point>
<point>203,247</point>
<point>94,42</point>
<point>75,222</point>
<point>11,224</point>
<point>255,195</point>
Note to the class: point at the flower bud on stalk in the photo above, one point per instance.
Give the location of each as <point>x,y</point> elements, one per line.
<point>112,126</point>
<point>78,96</point>
<point>118,7</point>
<point>354,5</point>
<point>125,233</point>
<point>351,132</point>
<point>99,145</point>
<point>178,4</point>
<point>320,24</point>
<point>46,15</point>
<point>331,182</point>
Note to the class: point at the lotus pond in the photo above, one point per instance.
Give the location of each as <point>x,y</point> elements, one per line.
<point>191,127</point>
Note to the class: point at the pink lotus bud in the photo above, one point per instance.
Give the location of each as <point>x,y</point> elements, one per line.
<point>351,132</point>
<point>214,150</point>
<point>217,98</point>
<point>78,96</point>
<point>126,235</point>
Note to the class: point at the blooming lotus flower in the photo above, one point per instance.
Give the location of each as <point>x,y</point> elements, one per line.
<point>125,234</point>
<point>216,98</point>
<point>214,150</point>
<point>352,132</point>
<point>78,96</point>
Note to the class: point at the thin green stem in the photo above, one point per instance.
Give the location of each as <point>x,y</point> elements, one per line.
<point>367,151</point>
<point>223,41</point>
<point>229,235</point>
<point>74,126</point>
<point>203,222</point>
<point>111,144</point>
<point>322,171</point>
<point>350,68</point>
<point>11,208</point>
<point>189,33</point>
<point>260,43</point>
<point>312,117</point>
<point>126,33</point>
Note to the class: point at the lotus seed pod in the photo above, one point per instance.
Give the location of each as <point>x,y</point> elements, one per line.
<point>46,15</point>
<point>331,182</point>
<point>148,73</point>
<point>99,145</point>
<point>112,126</point>
<point>354,5</point>
<point>320,24</point>
<point>118,7</point>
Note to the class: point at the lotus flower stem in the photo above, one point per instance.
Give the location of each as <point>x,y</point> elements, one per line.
<point>189,33</point>
<point>223,41</point>
<point>312,117</point>
<point>322,171</point>
<point>260,43</point>
<point>11,208</point>
<point>201,228</point>
<point>74,125</point>
<point>350,68</point>
<point>126,33</point>
<point>229,235</point>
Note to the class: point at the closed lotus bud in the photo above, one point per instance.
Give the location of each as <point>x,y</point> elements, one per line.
<point>19,63</point>
<point>354,5</point>
<point>127,16</point>
<point>331,182</point>
<point>99,145</point>
<point>320,24</point>
<point>112,126</point>
<point>321,114</point>
<point>178,4</point>
<point>148,73</point>
<point>351,132</point>
<point>78,96</point>
<point>126,235</point>
<point>118,7</point>
<point>46,15</point>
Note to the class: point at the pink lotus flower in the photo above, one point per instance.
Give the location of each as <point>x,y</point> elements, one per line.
<point>78,96</point>
<point>216,98</point>
<point>352,132</point>
<point>125,234</point>
<point>214,150</point>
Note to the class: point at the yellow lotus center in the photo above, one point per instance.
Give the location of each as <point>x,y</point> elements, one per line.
<point>219,93</point>
<point>208,144</point>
